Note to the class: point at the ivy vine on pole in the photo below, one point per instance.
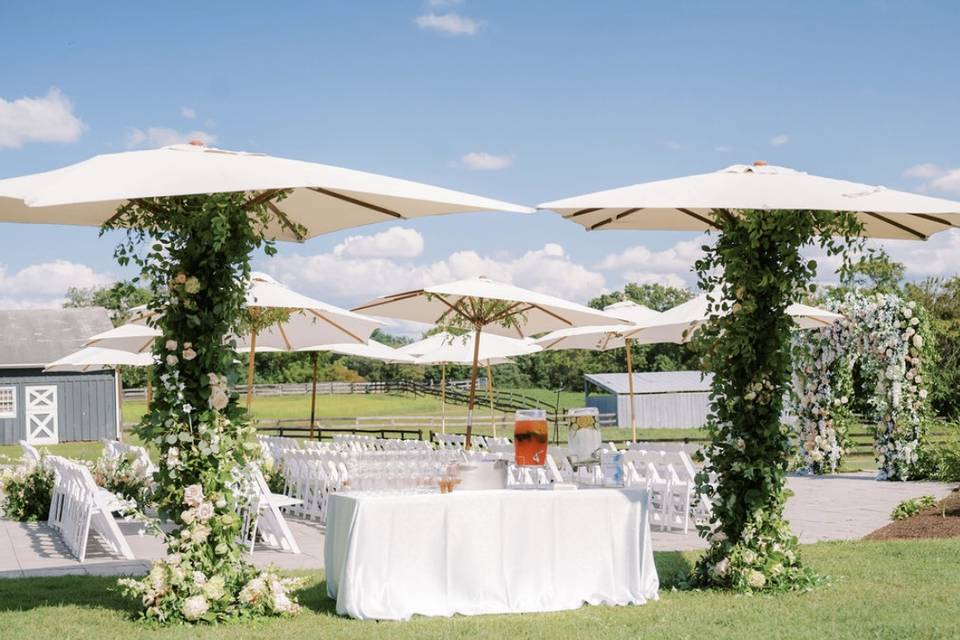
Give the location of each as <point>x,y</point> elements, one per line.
<point>757,266</point>
<point>194,253</point>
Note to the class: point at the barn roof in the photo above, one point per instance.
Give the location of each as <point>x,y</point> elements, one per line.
<point>652,382</point>
<point>37,337</point>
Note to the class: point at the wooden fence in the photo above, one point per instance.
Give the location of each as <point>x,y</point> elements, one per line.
<point>327,388</point>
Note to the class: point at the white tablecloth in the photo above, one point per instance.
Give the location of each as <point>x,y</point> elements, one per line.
<point>476,552</point>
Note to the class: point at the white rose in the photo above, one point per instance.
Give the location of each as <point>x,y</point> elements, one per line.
<point>205,511</point>
<point>918,341</point>
<point>755,579</point>
<point>171,345</point>
<point>189,354</point>
<point>219,399</point>
<point>172,360</point>
<point>193,495</point>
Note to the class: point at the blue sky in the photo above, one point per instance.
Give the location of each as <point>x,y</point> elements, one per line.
<point>550,98</point>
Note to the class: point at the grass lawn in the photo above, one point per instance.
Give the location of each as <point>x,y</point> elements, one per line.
<point>879,590</point>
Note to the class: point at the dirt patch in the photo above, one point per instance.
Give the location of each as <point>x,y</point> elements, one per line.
<point>941,521</point>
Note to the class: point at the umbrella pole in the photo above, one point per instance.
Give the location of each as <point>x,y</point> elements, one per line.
<point>633,418</point>
<point>443,397</point>
<point>313,393</point>
<point>473,386</point>
<point>493,415</point>
<point>149,387</point>
<point>253,349</point>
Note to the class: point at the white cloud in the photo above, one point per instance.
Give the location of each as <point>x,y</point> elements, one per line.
<point>46,119</point>
<point>451,24</point>
<point>44,285</point>
<point>395,242</point>
<point>935,177</point>
<point>483,161</point>
<point>548,269</point>
<point>672,266</point>
<point>188,112</point>
<point>153,137</point>
<point>779,140</point>
<point>924,171</point>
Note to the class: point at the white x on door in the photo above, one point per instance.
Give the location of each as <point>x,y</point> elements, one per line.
<point>41,414</point>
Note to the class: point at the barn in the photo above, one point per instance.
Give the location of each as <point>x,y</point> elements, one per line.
<point>662,399</point>
<point>47,408</point>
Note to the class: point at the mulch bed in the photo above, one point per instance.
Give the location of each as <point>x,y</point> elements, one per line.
<point>929,523</point>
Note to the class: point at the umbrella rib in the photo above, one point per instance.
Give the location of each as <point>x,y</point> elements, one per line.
<point>284,219</point>
<point>936,219</point>
<point>619,216</point>
<point>550,313</point>
<point>261,198</point>
<point>396,298</point>
<point>328,320</point>
<point>359,203</point>
<point>893,223</point>
<point>703,219</point>
<point>283,334</point>
<point>582,212</point>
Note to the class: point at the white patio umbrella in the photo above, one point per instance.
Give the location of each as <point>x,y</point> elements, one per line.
<point>371,349</point>
<point>445,348</point>
<point>483,305</point>
<point>679,323</point>
<point>603,338</point>
<point>98,359</point>
<point>321,198</point>
<point>310,323</point>
<point>132,337</point>
<point>690,203</point>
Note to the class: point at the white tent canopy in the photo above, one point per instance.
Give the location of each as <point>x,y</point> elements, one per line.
<point>98,358</point>
<point>538,312</point>
<point>320,197</point>
<point>631,311</point>
<point>688,203</point>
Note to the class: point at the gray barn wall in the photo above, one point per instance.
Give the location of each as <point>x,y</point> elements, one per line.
<point>686,410</point>
<point>86,404</point>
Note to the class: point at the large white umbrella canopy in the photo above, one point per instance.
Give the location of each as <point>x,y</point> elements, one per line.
<point>535,312</point>
<point>98,358</point>
<point>679,323</point>
<point>310,323</point>
<point>632,311</point>
<point>483,304</point>
<point>136,338</point>
<point>371,349</point>
<point>321,198</point>
<point>688,203</point>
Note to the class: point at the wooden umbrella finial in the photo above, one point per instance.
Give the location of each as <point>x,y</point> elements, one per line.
<point>759,163</point>
<point>197,143</point>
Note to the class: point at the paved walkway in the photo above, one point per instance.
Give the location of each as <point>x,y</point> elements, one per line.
<point>841,507</point>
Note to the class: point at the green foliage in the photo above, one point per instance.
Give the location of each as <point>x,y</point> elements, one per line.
<point>195,253</point>
<point>940,459</point>
<point>941,299</point>
<point>756,264</point>
<point>27,491</point>
<point>653,295</point>
<point>912,507</point>
<point>118,298</point>
<point>122,476</point>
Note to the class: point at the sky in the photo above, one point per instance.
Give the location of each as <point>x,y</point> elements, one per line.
<point>521,101</point>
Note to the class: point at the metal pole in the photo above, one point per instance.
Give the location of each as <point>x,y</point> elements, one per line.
<point>493,415</point>
<point>443,397</point>
<point>253,349</point>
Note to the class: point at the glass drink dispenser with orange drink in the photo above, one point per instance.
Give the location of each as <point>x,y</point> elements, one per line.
<point>530,435</point>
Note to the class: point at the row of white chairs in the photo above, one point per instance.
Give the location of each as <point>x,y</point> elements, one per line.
<point>78,506</point>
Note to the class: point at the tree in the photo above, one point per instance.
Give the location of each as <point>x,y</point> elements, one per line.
<point>657,296</point>
<point>941,299</point>
<point>118,298</point>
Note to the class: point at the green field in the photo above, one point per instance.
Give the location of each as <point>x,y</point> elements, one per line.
<point>878,590</point>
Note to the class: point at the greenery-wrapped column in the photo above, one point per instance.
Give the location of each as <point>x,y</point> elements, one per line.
<point>194,253</point>
<point>757,264</point>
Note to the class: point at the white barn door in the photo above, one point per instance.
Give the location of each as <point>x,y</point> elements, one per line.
<point>41,414</point>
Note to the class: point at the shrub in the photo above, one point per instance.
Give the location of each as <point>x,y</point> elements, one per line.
<point>941,460</point>
<point>912,507</point>
<point>27,491</point>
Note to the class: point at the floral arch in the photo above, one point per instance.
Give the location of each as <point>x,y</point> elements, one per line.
<point>888,338</point>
